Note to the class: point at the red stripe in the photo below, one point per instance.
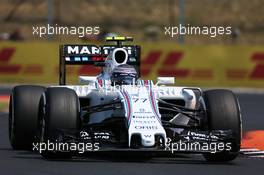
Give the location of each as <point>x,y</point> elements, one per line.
<point>4,98</point>
<point>33,69</point>
<point>10,69</point>
<point>236,73</point>
<point>129,107</point>
<point>152,58</point>
<point>100,81</point>
<point>145,82</point>
<point>172,58</point>
<point>89,69</point>
<point>6,54</point>
<point>258,72</point>
<point>174,73</point>
<point>145,71</point>
<point>258,57</point>
<point>152,102</point>
<point>202,73</point>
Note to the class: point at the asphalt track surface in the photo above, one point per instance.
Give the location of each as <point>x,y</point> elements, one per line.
<point>27,163</point>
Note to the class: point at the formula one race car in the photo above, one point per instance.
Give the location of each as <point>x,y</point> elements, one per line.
<point>119,111</point>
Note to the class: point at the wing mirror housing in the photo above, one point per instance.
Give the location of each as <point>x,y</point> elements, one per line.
<point>165,80</point>
<point>87,79</point>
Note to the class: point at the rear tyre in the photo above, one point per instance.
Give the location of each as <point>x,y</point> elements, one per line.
<point>61,112</point>
<point>223,113</point>
<point>23,115</point>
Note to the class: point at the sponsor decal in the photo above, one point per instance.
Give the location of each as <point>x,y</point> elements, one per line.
<point>144,116</point>
<point>92,50</point>
<point>200,136</point>
<point>102,135</point>
<point>141,112</point>
<point>146,127</point>
<point>84,135</point>
<point>80,50</point>
<point>144,121</point>
<point>18,65</point>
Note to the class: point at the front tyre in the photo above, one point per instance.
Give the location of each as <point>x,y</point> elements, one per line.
<point>223,113</point>
<point>23,115</point>
<point>61,106</point>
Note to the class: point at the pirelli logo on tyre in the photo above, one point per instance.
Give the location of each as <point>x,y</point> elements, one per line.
<point>191,65</point>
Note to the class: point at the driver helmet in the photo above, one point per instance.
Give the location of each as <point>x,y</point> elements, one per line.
<point>124,75</point>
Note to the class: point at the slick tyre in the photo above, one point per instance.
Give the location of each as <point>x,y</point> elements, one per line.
<point>223,113</point>
<point>23,115</point>
<point>61,106</point>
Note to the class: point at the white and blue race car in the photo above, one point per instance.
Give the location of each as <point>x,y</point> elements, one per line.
<point>119,111</point>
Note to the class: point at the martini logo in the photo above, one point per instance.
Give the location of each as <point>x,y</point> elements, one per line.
<point>89,50</point>
<point>72,50</point>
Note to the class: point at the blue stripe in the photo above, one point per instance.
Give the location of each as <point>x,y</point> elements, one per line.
<point>85,58</point>
<point>77,59</point>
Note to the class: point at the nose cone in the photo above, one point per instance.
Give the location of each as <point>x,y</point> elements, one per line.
<point>148,140</point>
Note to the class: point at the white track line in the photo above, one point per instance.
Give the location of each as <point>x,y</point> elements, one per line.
<point>254,152</point>
<point>258,156</point>
<point>249,149</point>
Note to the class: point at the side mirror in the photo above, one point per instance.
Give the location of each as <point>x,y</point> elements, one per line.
<point>87,79</point>
<point>165,80</point>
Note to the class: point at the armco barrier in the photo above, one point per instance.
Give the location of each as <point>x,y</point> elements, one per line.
<point>229,66</point>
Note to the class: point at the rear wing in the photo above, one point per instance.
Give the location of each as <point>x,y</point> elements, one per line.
<point>93,55</point>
